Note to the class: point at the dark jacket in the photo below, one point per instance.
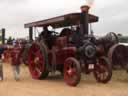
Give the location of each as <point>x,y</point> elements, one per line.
<point>2,49</point>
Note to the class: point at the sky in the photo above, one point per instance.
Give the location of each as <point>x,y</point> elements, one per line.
<point>113,14</point>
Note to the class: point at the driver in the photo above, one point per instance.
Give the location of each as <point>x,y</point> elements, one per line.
<point>66,32</point>
<point>46,35</point>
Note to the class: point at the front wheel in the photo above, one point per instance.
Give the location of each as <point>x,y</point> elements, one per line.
<point>103,70</point>
<point>72,71</point>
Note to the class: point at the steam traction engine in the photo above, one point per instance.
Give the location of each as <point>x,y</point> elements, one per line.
<point>69,52</point>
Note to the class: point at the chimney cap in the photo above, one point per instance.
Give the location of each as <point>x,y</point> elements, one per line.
<point>85,8</point>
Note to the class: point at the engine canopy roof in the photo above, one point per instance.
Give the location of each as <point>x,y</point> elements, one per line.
<point>61,21</point>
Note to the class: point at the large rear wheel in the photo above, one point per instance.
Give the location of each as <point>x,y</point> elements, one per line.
<point>72,71</point>
<point>37,61</point>
<point>118,55</point>
<point>103,70</point>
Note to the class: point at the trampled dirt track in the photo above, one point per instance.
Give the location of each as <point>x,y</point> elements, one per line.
<point>55,86</point>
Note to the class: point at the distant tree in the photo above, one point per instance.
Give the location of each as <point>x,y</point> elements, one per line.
<point>123,39</point>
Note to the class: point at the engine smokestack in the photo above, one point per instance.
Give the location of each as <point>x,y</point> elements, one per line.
<point>84,18</point>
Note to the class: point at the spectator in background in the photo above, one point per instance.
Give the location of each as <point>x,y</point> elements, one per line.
<point>16,60</point>
<point>2,48</point>
<point>13,42</point>
<point>10,41</point>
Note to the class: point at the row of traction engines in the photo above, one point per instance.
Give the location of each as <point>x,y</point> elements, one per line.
<point>72,51</point>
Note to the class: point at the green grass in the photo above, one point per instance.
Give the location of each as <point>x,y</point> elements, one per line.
<point>120,75</point>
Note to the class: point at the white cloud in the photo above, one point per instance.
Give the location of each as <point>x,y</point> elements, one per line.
<point>113,17</point>
<point>17,12</point>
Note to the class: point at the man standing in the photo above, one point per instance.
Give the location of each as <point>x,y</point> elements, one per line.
<point>2,48</point>
<point>16,60</point>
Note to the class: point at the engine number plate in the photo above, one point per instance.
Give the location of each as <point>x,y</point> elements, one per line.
<point>91,66</point>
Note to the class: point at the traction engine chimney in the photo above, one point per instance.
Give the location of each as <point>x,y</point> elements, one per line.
<point>84,19</point>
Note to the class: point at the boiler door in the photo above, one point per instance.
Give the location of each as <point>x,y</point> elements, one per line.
<point>89,50</point>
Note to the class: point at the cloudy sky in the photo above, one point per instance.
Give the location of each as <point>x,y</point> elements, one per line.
<point>14,14</point>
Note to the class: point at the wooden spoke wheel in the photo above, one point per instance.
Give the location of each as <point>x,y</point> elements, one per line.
<point>37,61</point>
<point>72,71</point>
<point>103,70</point>
<point>117,55</point>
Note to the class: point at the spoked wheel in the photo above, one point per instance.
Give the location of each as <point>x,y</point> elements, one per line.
<point>117,55</point>
<point>103,70</point>
<point>72,71</point>
<point>37,61</point>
